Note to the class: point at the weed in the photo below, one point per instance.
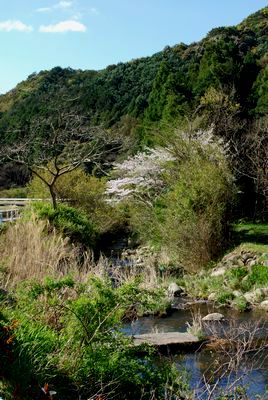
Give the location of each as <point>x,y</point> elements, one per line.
<point>258,277</point>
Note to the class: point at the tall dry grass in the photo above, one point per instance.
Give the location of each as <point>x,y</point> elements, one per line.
<point>31,250</point>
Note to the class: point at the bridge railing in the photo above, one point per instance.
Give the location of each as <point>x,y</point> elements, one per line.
<point>9,214</point>
<point>18,201</point>
<point>10,207</point>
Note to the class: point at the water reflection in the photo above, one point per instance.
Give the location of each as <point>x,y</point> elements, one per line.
<point>206,365</point>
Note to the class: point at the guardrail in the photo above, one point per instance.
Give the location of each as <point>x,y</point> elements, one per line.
<point>10,208</point>
<point>9,214</point>
<point>18,201</point>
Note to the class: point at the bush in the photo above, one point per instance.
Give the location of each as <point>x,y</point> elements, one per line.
<point>225,297</point>
<point>190,216</point>
<point>75,342</point>
<point>70,221</point>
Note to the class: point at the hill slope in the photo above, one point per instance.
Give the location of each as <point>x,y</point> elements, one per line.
<point>168,84</point>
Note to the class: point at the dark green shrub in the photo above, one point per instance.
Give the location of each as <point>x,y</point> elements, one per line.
<point>50,286</point>
<point>225,297</point>
<point>72,222</point>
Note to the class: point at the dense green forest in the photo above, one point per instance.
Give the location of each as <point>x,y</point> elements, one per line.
<point>221,81</point>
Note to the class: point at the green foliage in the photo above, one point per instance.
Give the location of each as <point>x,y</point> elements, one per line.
<point>235,276</point>
<point>69,334</point>
<point>261,92</point>
<point>50,286</point>
<point>202,285</point>
<point>141,301</point>
<point>240,303</point>
<point>254,235</point>
<point>258,277</point>
<point>225,297</point>
<point>70,221</point>
<point>86,193</point>
<point>189,220</point>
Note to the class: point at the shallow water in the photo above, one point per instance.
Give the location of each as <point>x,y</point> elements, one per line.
<point>253,370</point>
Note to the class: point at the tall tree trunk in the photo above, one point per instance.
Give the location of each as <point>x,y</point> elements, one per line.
<point>53,196</point>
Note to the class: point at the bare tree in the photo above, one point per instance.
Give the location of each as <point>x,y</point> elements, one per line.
<point>57,145</point>
<point>250,159</point>
<point>240,349</point>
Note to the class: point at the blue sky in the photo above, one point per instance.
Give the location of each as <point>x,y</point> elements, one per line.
<point>91,34</point>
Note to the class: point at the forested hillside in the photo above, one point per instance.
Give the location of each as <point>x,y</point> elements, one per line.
<point>221,81</point>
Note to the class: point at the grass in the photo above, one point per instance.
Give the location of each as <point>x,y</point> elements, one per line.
<point>68,326</point>
<point>246,237</point>
<point>250,233</point>
<point>196,327</point>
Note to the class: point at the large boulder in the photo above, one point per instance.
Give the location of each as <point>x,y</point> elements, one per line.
<point>264,305</point>
<point>257,295</point>
<point>174,290</point>
<point>213,317</point>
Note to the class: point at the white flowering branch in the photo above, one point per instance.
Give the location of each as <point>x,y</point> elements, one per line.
<point>139,176</point>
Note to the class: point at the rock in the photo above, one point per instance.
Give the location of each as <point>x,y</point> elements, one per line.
<point>264,305</point>
<point>265,262</point>
<point>236,293</point>
<point>213,317</point>
<point>213,296</point>
<point>218,272</point>
<point>231,258</point>
<point>255,296</point>
<point>246,256</point>
<point>174,290</point>
<point>251,263</point>
<point>239,263</point>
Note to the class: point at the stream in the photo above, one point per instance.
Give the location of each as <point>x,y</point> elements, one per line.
<point>202,365</point>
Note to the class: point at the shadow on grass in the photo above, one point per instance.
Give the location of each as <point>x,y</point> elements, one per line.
<point>250,233</point>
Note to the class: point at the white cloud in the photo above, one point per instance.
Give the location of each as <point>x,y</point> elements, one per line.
<point>15,25</point>
<point>43,9</point>
<point>63,4</point>
<point>64,26</point>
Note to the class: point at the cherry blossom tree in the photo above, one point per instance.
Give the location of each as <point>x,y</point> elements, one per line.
<point>140,176</point>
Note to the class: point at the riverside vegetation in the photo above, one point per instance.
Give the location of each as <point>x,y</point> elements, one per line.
<point>166,155</point>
